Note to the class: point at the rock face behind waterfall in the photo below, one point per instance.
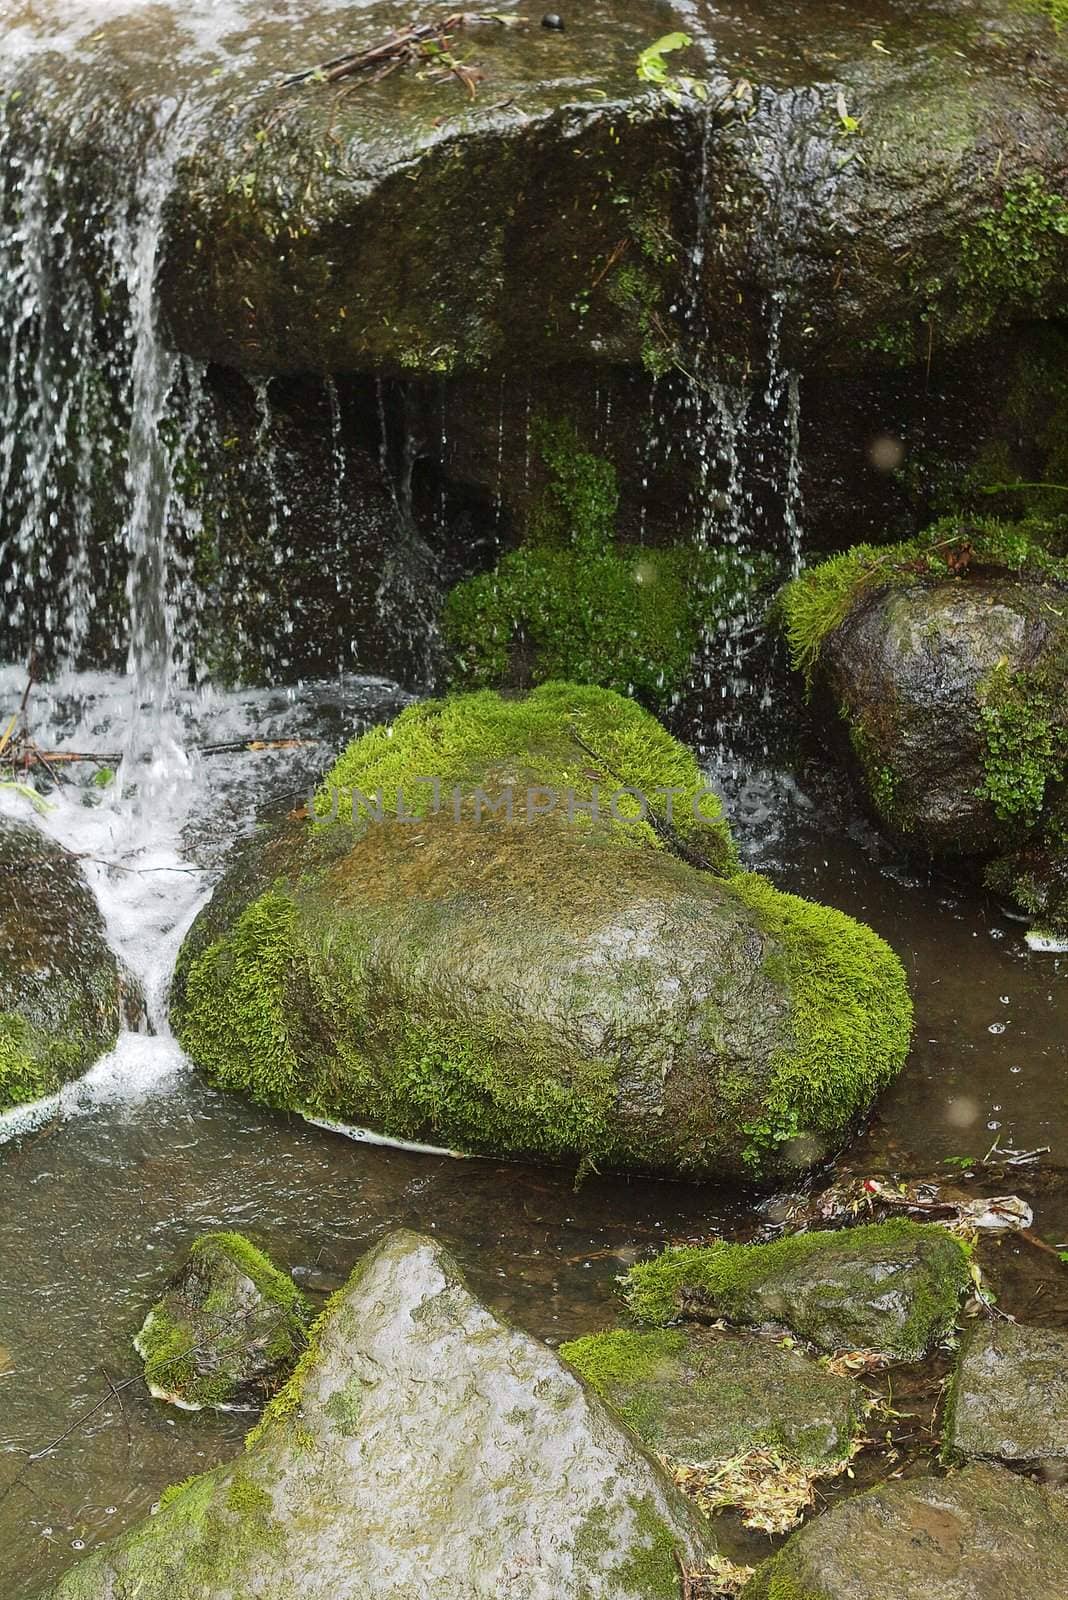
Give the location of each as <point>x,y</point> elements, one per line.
<point>60,991</point>
<point>537,219</point>
<point>947,660</point>
<point>553,986</point>
<point>422,1449</point>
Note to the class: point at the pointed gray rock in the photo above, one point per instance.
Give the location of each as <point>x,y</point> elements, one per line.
<point>423,1450</point>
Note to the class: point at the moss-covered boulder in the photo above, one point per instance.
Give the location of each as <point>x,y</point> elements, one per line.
<point>479,961</point>
<point>892,1287</point>
<point>981,1534</point>
<point>947,660</point>
<point>703,1397</point>
<point>228,1329</point>
<point>60,987</point>
<point>1009,1395</point>
<point>422,1447</point>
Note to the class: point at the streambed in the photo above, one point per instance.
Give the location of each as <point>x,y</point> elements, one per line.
<point>96,1203</point>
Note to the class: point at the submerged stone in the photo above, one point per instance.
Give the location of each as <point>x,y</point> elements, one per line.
<point>702,1397</point>
<point>981,1534</point>
<point>61,994</point>
<point>554,983</point>
<point>1009,1397</point>
<point>228,1329</point>
<point>891,1287</point>
<point>422,1448</point>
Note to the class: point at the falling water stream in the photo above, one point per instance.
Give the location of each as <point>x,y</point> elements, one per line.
<point>102,1187</point>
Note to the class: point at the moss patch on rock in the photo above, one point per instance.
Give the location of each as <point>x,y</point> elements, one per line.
<point>229,1327</point>
<point>819,601</point>
<point>893,1287</point>
<point>565,738</point>
<point>703,1397</point>
<point>572,603</point>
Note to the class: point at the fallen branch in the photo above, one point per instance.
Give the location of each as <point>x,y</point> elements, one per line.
<point>426,42</point>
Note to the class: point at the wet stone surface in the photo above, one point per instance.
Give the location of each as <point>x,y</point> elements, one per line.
<point>981,1534</point>
<point>1009,1398</point>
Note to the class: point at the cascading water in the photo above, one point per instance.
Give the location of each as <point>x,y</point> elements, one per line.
<point>105,432</point>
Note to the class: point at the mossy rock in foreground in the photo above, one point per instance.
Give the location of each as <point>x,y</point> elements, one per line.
<point>947,661</point>
<point>560,987</point>
<point>703,1397</point>
<point>422,1448</point>
<point>229,1328</point>
<point>893,1287</point>
<point>60,987</point>
<point>981,1534</point>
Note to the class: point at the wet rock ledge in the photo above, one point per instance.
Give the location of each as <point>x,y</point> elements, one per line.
<point>895,178</point>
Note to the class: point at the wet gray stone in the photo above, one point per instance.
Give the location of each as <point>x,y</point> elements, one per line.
<point>981,1534</point>
<point>425,1449</point>
<point>1009,1398</point>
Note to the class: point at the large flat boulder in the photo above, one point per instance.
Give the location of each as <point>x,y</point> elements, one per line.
<point>60,987</point>
<point>531,212</point>
<point>424,1450</point>
<point>981,1534</point>
<point>526,977</point>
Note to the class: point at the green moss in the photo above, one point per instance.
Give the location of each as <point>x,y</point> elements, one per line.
<point>728,1277</point>
<point>626,1356</point>
<point>579,503</point>
<point>882,780</point>
<point>772,1582</point>
<point>652,1568</point>
<point>629,618</point>
<point>1025,738</point>
<point>819,601</point>
<point>1012,262</point>
<point>34,1064</point>
<point>704,1399</point>
<point>851,1024</point>
<point>572,604</point>
<point>173,1490</point>
<point>246,1043</point>
<point>192,1546</point>
<point>638,294</point>
<point>24,1071</point>
<point>1055,10</point>
<point>561,736</point>
<point>1013,253</point>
